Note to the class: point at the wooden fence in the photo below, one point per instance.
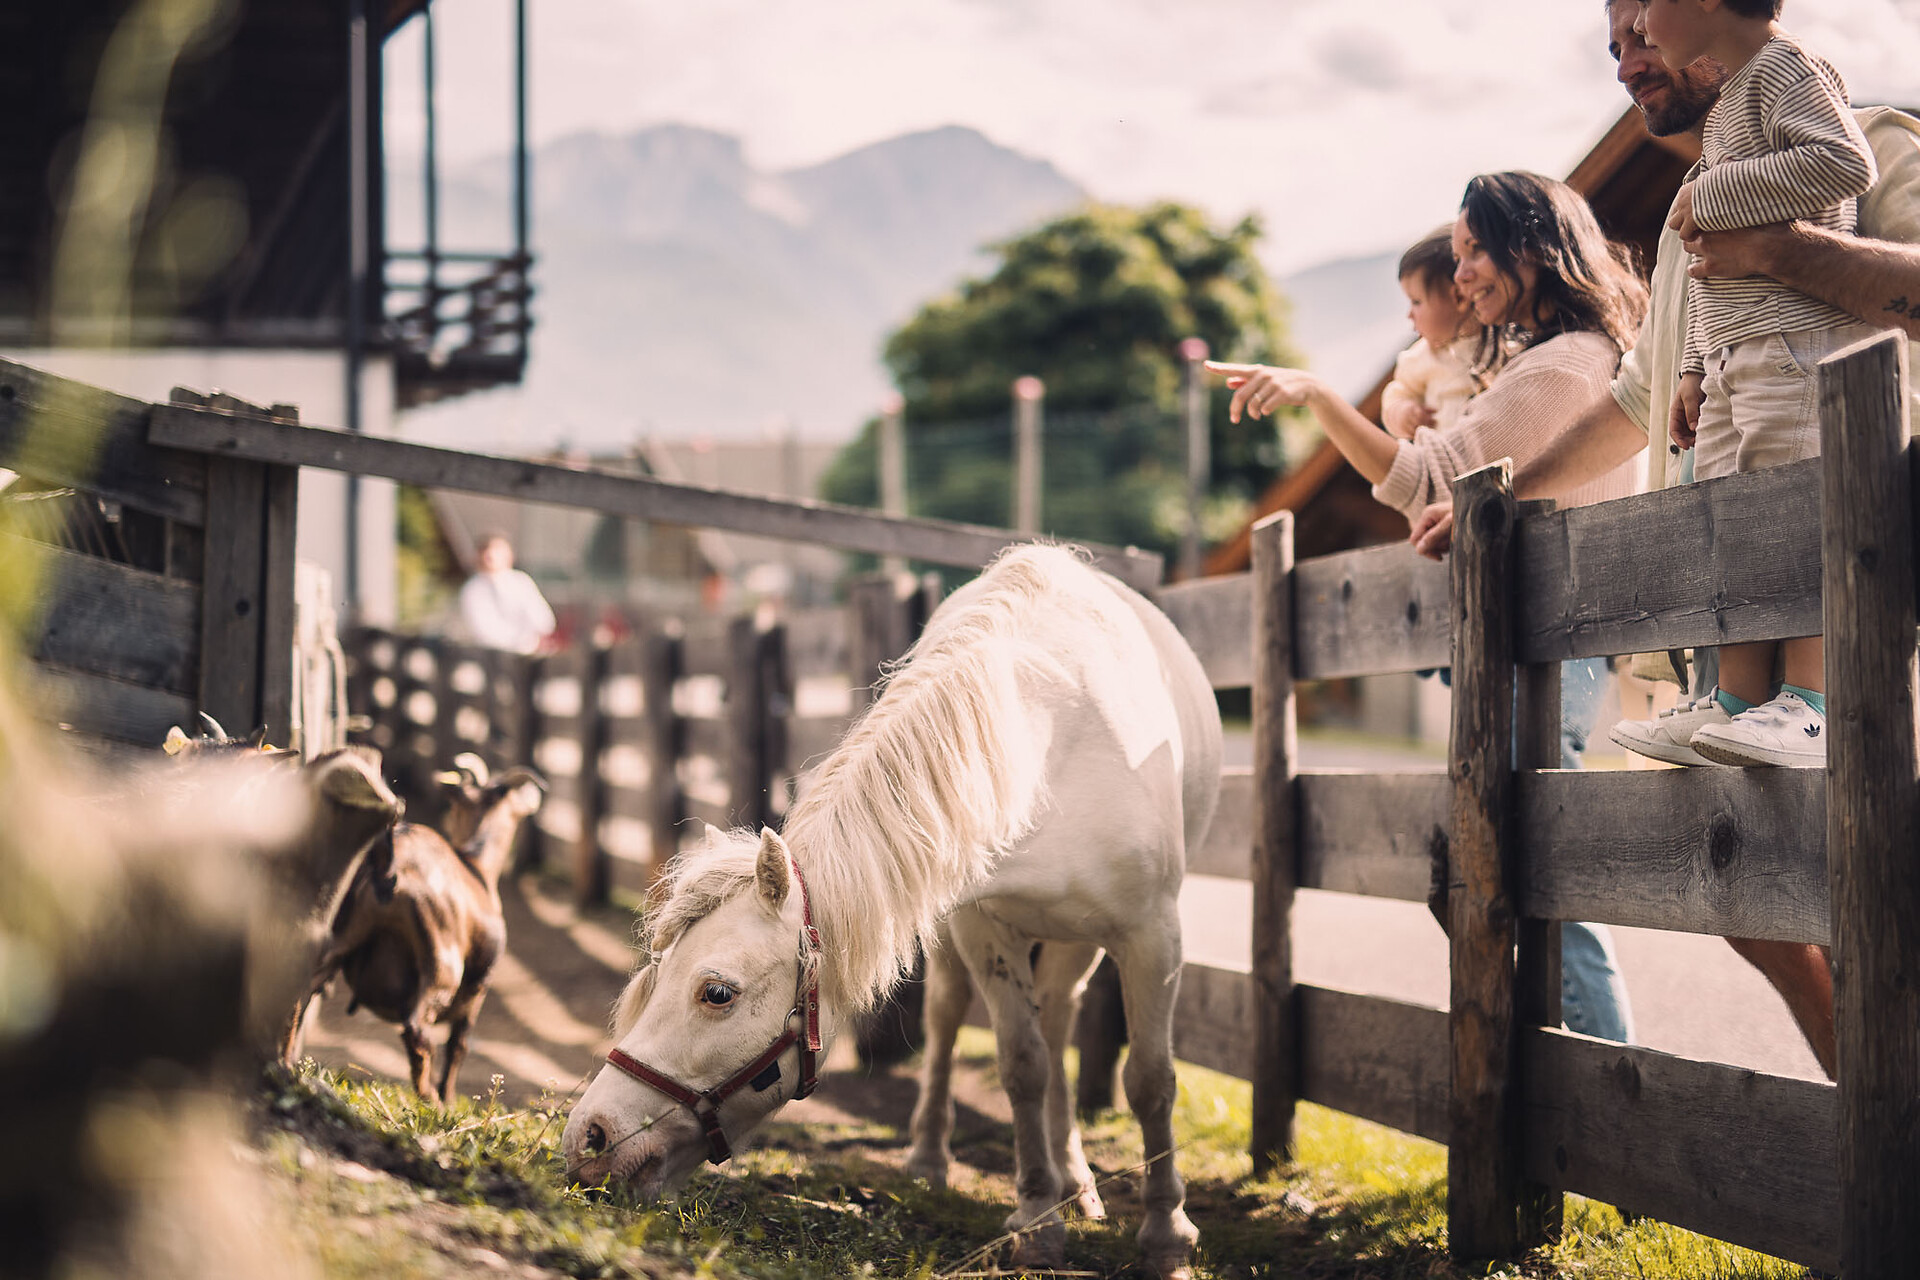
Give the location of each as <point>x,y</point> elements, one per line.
<point>1819,1173</point>
<point>165,580</point>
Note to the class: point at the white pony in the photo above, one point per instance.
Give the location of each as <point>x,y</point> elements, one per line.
<point>1036,770</point>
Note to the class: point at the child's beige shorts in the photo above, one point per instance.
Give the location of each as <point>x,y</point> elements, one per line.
<point>1762,406</point>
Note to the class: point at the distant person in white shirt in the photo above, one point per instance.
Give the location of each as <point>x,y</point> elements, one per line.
<point>501,606</point>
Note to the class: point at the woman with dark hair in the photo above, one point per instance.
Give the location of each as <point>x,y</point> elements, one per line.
<point>1559,303</point>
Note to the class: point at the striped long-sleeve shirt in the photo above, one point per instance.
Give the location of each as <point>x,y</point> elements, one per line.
<point>1781,144</point>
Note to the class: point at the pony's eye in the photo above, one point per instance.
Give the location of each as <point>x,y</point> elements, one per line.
<point>717,994</point>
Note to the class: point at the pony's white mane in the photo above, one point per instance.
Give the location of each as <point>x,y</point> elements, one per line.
<point>925,792</point>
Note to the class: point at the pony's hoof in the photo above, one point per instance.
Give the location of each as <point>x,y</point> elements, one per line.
<point>1087,1201</point>
<point>934,1172</point>
<point>1040,1248</point>
<point>1170,1268</point>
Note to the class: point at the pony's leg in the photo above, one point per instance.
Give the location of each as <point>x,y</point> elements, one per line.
<point>1000,962</point>
<point>1059,979</point>
<point>948,994</point>
<point>1149,963</point>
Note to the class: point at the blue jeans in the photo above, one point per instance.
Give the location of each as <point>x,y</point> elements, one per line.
<point>1593,996</point>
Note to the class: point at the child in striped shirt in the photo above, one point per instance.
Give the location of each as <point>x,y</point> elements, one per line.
<point>1781,144</point>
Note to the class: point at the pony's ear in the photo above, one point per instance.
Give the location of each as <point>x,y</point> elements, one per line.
<point>772,873</point>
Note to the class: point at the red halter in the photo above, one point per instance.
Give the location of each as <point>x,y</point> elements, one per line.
<point>764,1071</point>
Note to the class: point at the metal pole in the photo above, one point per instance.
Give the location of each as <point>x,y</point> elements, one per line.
<point>1199,453</point>
<point>431,183</point>
<point>520,214</point>
<point>1028,392</point>
<point>893,468</point>
<point>358,122</point>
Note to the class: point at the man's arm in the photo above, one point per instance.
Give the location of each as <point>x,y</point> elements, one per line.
<point>1877,280</point>
<point>1599,440</point>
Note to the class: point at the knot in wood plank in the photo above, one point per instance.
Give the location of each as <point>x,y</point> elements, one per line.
<point>1723,840</point>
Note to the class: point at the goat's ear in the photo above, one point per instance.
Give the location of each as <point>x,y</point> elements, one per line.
<point>773,873</point>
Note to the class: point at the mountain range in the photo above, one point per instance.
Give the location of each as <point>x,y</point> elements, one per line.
<point>682,291</point>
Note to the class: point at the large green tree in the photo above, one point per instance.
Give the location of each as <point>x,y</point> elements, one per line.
<point>1095,304</point>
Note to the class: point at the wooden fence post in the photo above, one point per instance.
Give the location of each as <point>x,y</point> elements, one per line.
<point>1537,720</point>
<point>1483,1157</point>
<point>659,670</point>
<point>746,719</point>
<point>590,870</point>
<point>1276,1036</point>
<point>1873,811</point>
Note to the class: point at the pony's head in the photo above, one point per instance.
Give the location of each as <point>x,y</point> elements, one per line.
<point>716,1031</point>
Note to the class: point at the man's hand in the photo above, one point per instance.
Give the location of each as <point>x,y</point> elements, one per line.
<point>1683,419</point>
<point>1743,251</point>
<point>1403,417</point>
<point>1260,389</point>
<point>1681,219</point>
<point>1433,531</point>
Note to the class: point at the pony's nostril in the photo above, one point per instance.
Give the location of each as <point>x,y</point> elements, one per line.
<point>596,1139</point>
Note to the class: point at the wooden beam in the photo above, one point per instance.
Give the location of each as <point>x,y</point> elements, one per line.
<point>1483,1164</point>
<point>231,598</point>
<point>636,497</point>
<point>1737,852</point>
<point>1383,1060</point>
<point>1371,612</point>
<point>1873,800</point>
<point>1215,615</point>
<point>1731,564</point>
<point>1276,856</point>
<point>110,620</point>
<point>69,433</point>
<point>1372,833</point>
<point>1732,1153</point>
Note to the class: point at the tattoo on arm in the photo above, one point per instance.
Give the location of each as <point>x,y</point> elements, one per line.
<point>1900,306</point>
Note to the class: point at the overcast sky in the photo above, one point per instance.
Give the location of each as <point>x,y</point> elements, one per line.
<point>1349,126</point>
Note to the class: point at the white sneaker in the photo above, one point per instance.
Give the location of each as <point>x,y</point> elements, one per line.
<point>1667,736</point>
<point>1786,732</point>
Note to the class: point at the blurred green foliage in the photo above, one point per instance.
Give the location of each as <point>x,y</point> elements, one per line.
<point>1095,304</point>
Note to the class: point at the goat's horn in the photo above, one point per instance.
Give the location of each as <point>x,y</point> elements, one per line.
<point>219,734</point>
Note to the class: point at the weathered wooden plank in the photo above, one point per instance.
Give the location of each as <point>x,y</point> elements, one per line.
<point>1276,851</point>
<point>661,742</point>
<point>1216,617</point>
<point>280,519</point>
<point>700,736</point>
<point>1873,804</point>
<point>1372,833</point>
<point>703,647</point>
<point>1370,612</point>
<point>1537,718</point>
<point>748,760</point>
<point>588,865</point>
<point>69,433</point>
<point>111,620</point>
<point>231,599</point>
<point>1484,1186</point>
<point>1736,852</point>
<point>1722,1150</point>
<point>1212,1020</point>
<point>100,707</point>
<point>1736,560</point>
<point>1383,1060</point>
<point>1228,849</point>
<point>637,497</point>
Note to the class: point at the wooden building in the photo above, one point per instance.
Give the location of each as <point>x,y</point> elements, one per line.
<point>191,194</point>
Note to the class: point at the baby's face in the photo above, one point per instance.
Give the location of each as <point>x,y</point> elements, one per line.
<point>1436,312</point>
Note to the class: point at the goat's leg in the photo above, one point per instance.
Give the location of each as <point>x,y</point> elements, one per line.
<point>1803,975</point>
<point>948,994</point>
<point>1059,979</point>
<point>459,1018</point>
<point>1149,962</point>
<point>1000,962</point>
<point>413,1035</point>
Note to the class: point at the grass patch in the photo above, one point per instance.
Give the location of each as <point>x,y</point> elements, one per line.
<point>379,1185</point>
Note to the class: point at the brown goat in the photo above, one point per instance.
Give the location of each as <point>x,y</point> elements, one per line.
<point>421,926</point>
<point>349,804</point>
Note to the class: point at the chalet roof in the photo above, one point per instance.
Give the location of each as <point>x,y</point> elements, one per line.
<point>1629,177</point>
